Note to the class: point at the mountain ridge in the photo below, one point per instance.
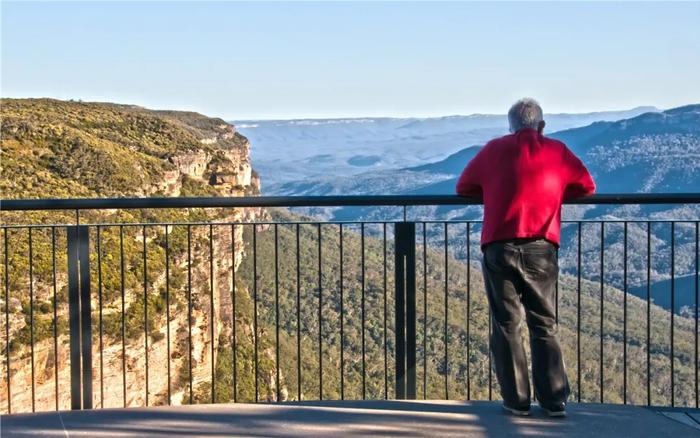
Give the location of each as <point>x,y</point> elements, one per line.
<point>683,120</point>
<point>403,143</point>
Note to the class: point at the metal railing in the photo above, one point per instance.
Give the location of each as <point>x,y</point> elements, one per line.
<point>214,263</point>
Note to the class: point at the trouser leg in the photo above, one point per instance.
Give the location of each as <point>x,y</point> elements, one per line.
<point>506,342</point>
<point>549,374</point>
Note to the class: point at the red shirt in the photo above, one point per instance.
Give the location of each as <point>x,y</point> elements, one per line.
<point>523,179</point>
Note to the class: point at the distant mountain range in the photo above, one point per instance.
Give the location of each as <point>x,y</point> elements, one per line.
<point>655,151</point>
<point>290,151</point>
<point>651,152</point>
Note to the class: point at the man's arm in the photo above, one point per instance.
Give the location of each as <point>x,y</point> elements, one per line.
<point>580,182</point>
<point>469,182</point>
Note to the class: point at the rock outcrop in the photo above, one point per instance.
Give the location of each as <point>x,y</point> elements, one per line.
<point>207,156</point>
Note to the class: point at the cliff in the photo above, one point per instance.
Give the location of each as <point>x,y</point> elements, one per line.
<point>56,149</point>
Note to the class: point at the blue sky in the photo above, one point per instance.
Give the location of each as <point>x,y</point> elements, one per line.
<point>294,60</point>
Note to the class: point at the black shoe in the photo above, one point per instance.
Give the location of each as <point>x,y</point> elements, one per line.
<point>523,412</point>
<point>555,410</point>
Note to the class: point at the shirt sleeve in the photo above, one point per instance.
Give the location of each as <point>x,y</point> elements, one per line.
<point>580,182</point>
<point>470,181</point>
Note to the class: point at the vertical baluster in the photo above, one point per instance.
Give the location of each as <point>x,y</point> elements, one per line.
<point>7,324</point>
<point>602,293</point>
<point>277,315</point>
<point>255,308</point>
<point>469,275</point>
<point>697,274</point>
<point>578,314</point>
<point>362,310</point>
<point>425,313</point>
<point>189,307</point>
<point>386,357</point>
<point>697,253</point>
<point>212,313</point>
<point>673,306</point>
<point>234,310</point>
<point>624,315</point>
<point>123,310</point>
<point>648,313</point>
<point>447,367</point>
<point>167,309</point>
<point>320,317</point>
<point>145,307</point>
<point>99,298</point>
<point>342,318</point>
<point>298,315</point>
<point>31,314</point>
<point>489,350</point>
<point>488,340</point>
<point>556,293</point>
<point>55,316</point>
<point>489,358</point>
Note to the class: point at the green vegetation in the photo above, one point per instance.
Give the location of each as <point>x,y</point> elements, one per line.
<point>70,149</point>
<point>57,149</point>
<point>457,337</point>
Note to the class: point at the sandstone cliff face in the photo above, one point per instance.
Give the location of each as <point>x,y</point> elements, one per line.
<point>226,168</point>
<point>192,164</point>
<point>109,373</point>
<point>221,166</point>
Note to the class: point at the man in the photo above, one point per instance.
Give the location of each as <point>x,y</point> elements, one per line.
<point>523,179</point>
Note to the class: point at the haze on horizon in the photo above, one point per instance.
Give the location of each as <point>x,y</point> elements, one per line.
<point>248,61</point>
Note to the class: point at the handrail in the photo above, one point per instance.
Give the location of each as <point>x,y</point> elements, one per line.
<point>317,201</point>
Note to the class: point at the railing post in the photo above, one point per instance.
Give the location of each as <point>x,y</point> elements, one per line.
<point>405,302</point>
<point>74,317</point>
<point>80,323</point>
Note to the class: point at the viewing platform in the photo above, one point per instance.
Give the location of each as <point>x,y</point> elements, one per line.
<point>175,326</point>
<point>355,419</point>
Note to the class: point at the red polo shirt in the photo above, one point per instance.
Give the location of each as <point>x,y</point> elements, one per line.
<point>523,179</point>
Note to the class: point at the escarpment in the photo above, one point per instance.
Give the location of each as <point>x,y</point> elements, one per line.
<point>159,316</point>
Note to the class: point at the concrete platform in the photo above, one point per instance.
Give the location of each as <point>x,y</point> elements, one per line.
<point>349,419</point>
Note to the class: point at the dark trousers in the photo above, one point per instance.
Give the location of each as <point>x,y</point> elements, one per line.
<point>524,271</point>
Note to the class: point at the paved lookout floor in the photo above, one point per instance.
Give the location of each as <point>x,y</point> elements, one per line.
<point>349,419</point>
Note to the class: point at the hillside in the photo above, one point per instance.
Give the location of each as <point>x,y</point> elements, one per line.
<point>654,152</point>
<point>58,149</point>
<point>55,149</point>
<point>328,296</point>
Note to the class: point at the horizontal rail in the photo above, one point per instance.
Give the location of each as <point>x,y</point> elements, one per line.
<point>317,201</point>
<point>564,223</point>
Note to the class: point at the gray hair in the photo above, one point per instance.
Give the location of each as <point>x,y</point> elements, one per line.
<point>525,113</point>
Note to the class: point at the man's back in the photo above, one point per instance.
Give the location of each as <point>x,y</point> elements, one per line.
<point>523,178</point>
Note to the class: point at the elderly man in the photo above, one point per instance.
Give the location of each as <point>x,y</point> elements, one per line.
<point>523,179</point>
